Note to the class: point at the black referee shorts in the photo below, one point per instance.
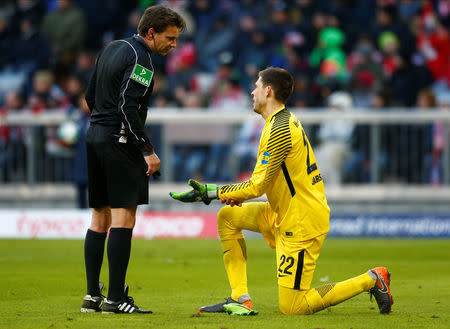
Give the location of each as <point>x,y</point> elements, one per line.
<point>116,171</point>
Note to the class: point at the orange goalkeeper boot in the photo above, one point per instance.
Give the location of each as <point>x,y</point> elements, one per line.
<point>381,291</point>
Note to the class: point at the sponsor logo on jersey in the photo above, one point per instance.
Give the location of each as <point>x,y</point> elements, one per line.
<point>142,75</point>
<point>316,179</point>
<point>265,158</point>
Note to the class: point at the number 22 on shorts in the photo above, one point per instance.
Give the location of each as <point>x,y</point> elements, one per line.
<point>289,263</point>
<point>285,264</point>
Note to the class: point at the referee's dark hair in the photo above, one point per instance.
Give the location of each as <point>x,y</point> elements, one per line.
<point>160,17</point>
<point>280,80</point>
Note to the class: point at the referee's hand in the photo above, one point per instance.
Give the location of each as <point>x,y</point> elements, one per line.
<point>153,163</point>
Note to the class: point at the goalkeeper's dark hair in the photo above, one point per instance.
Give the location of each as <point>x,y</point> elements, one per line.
<point>280,80</point>
<point>160,18</point>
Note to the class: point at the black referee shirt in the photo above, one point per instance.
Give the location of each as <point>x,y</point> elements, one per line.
<point>120,89</point>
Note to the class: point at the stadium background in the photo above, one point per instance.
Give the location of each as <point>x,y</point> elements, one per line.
<point>372,89</point>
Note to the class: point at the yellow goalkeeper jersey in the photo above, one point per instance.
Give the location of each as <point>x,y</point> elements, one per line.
<point>287,172</point>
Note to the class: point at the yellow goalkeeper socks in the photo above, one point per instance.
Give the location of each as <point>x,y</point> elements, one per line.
<point>335,293</point>
<point>235,260</point>
<point>294,301</point>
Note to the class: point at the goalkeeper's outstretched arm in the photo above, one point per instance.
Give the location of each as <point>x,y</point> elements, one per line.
<point>274,146</point>
<point>203,193</point>
<point>199,192</point>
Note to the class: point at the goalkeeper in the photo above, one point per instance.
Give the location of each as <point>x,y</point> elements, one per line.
<point>294,221</point>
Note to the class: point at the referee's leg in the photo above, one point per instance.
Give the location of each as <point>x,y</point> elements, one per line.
<point>94,247</point>
<point>119,248</point>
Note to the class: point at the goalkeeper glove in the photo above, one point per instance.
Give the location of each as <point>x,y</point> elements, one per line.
<point>199,192</point>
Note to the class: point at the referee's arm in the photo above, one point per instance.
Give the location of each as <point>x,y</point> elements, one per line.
<point>90,90</point>
<point>129,107</point>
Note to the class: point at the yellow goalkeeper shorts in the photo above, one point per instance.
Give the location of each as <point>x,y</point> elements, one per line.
<point>296,261</point>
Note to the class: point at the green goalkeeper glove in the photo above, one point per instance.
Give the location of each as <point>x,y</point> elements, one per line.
<point>199,192</point>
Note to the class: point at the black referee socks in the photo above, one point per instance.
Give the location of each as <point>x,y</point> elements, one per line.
<point>119,248</point>
<point>94,248</point>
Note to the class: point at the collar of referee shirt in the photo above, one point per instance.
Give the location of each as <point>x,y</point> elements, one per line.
<point>142,41</point>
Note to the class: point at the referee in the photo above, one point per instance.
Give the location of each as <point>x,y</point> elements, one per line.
<point>120,155</point>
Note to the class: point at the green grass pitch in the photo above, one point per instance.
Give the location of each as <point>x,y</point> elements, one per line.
<point>42,284</point>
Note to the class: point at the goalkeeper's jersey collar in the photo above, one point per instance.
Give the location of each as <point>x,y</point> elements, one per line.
<point>271,116</point>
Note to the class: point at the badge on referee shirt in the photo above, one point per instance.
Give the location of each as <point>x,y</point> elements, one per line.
<point>142,75</point>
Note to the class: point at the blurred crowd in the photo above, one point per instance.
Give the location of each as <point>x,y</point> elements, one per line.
<point>373,53</point>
